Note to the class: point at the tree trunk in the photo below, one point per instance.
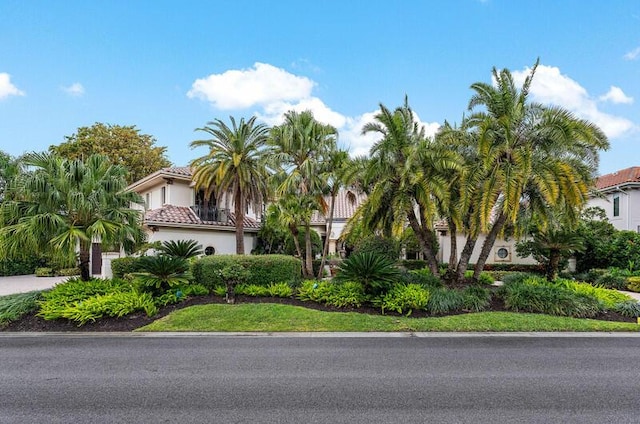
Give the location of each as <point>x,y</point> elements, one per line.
<point>85,251</point>
<point>295,233</point>
<point>425,239</point>
<point>488,244</point>
<point>453,255</point>
<point>465,257</point>
<point>308,254</point>
<point>325,249</point>
<point>231,292</point>
<point>239,215</point>
<point>554,263</point>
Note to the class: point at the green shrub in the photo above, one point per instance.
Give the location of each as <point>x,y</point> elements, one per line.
<point>476,298</point>
<point>629,308</point>
<point>536,295</point>
<point>279,290</point>
<point>252,290</point>
<point>413,264</point>
<point>484,278</point>
<point>404,298</point>
<point>122,266</point>
<point>516,277</point>
<point>45,272</point>
<point>194,290</point>
<point>117,304</point>
<point>607,297</point>
<point>633,284</point>
<point>375,272</point>
<point>184,249</point>
<point>347,294</point>
<point>443,300</point>
<point>263,269</point>
<point>160,273</point>
<point>219,291</point>
<point>422,276</point>
<point>14,306</point>
<point>68,272</point>
<point>611,281</point>
<point>315,291</point>
<point>382,246</point>
<point>20,266</point>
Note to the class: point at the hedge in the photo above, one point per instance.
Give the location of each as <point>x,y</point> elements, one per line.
<point>264,269</point>
<point>122,266</point>
<point>19,266</point>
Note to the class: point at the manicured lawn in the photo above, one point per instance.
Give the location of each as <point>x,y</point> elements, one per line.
<point>286,318</point>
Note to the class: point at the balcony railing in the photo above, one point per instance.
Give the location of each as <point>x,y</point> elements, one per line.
<point>211,214</point>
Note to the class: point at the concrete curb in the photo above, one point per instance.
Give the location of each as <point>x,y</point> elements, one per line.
<point>323,335</point>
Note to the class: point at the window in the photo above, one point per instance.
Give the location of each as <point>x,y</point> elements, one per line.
<point>209,251</point>
<point>163,195</point>
<point>502,253</point>
<point>616,206</point>
<point>147,201</point>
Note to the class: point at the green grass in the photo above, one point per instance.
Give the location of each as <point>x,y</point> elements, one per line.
<point>285,318</point>
<point>13,307</point>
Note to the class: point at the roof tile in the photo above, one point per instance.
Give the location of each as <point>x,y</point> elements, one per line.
<point>628,175</point>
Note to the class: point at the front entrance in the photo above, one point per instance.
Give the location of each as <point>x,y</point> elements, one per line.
<point>96,259</point>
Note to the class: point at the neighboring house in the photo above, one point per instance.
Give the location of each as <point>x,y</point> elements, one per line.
<point>620,198</point>
<point>174,210</point>
<point>346,204</point>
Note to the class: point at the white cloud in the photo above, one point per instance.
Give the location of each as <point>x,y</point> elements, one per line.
<point>633,54</point>
<point>263,84</point>
<point>272,92</point>
<point>359,144</point>
<point>550,86</point>
<point>617,96</point>
<point>7,88</point>
<point>76,89</point>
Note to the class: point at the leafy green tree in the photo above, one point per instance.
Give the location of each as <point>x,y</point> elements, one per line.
<point>234,165</point>
<point>524,156</point>
<point>123,145</point>
<point>597,234</point>
<point>160,273</point>
<point>10,169</point>
<point>406,172</point>
<point>67,204</point>
<point>300,146</point>
<point>625,250</point>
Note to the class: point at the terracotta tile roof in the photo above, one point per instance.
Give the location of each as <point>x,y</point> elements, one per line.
<point>344,207</point>
<point>624,176</point>
<point>171,214</point>
<point>180,170</point>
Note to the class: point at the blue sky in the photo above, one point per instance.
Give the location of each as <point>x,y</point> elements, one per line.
<point>168,67</point>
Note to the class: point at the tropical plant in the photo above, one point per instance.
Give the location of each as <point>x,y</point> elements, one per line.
<point>184,249</point>
<point>406,174</point>
<point>519,156</point>
<point>160,273</point>
<point>232,275</point>
<point>300,146</point>
<point>64,205</point>
<point>404,298</point>
<point>375,272</point>
<point>234,165</point>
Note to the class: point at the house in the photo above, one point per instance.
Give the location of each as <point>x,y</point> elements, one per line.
<point>175,210</point>
<point>619,196</point>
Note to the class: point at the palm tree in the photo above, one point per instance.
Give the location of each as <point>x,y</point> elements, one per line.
<point>406,170</point>
<point>67,204</point>
<point>528,156</point>
<point>300,146</point>
<point>234,165</point>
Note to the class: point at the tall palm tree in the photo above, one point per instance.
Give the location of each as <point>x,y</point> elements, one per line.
<point>299,147</point>
<point>529,155</point>
<point>406,170</point>
<point>235,165</point>
<point>64,204</point>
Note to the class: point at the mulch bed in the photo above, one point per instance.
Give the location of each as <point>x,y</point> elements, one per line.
<point>33,323</point>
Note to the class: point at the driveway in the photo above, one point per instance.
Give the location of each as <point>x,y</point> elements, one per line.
<point>27,283</point>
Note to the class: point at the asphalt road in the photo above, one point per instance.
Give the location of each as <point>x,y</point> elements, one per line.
<point>68,379</point>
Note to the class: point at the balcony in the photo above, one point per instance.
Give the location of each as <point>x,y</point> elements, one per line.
<point>209,214</point>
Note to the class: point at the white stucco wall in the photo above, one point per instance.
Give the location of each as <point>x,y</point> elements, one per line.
<point>629,218</point>
<point>513,258</point>
<point>224,242</point>
<point>180,194</point>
